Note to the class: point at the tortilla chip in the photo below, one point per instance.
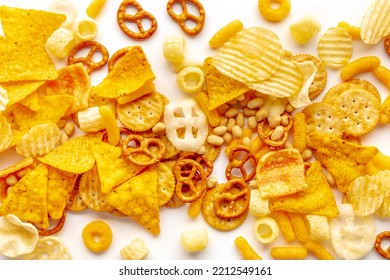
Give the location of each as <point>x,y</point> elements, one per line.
<point>31,101</point>
<point>17,91</point>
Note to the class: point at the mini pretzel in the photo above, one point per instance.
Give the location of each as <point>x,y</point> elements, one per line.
<point>265,133</point>
<point>182,18</point>
<point>236,162</point>
<point>142,154</point>
<point>202,159</point>
<point>191,180</point>
<point>384,253</point>
<point>116,56</point>
<point>57,228</point>
<point>123,17</point>
<point>234,209</point>
<point>88,61</point>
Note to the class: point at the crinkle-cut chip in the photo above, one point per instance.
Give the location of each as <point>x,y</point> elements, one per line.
<point>318,227</point>
<point>53,108</point>
<point>280,173</point>
<point>359,111</point>
<point>31,101</point>
<point>26,162</point>
<point>138,199</point>
<point>75,202</point>
<point>6,134</point>
<point>16,237</point>
<point>72,80</point>
<point>91,192</point>
<point>19,90</point>
<point>129,74</point>
<point>376,24</point>
<point>352,236</point>
<point>285,82</point>
<point>367,193</point>
<point>143,113</point>
<point>275,106</point>
<point>305,29</point>
<point>20,51</point>
<point>302,99</point>
<point>323,118</point>
<point>212,115</point>
<point>384,210</point>
<point>165,182</point>
<point>321,76</point>
<point>27,199</point>
<point>60,185</point>
<point>4,99</point>
<point>147,88</point>
<point>251,56</point>
<point>74,156</point>
<point>335,47</point>
<point>344,160</point>
<point>220,88</point>
<point>113,169</point>
<point>49,248</point>
<point>316,199</point>
<point>211,217</point>
<point>39,140</point>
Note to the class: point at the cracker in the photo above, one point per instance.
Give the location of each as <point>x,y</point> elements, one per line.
<point>165,182</point>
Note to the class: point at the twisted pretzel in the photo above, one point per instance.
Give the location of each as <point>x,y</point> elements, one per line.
<point>116,56</point>
<point>265,133</point>
<point>236,163</point>
<point>190,179</point>
<point>88,61</point>
<point>123,17</point>
<point>202,159</point>
<point>230,205</point>
<point>384,253</point>
<point>182,18</point>
<point>142,154</point>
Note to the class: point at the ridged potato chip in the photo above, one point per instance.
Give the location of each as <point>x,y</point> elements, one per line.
<point>376,22</point>
<point>335,47</point>
<point>251,56</point>
<point>302,98</point>
<point>6,135</point>
<point>39,140</point>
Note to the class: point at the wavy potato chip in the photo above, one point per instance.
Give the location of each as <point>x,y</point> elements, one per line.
<point>302,98</point>
<point>375,24</point>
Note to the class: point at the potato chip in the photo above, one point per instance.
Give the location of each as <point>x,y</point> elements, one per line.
<point>375,24</point>
<point>384,210</point>
<point>4,99</point>
<point>17,91</point>
<point>6,135</point>
<point>128,75</point>
<point>138,199</point>
<point>302,99</point>
<point>74,156</point>
<point>27,199</point>
<point>280,173</point>
<point>251,56</point>
<point>39,140</point>
<point>335,47</point>
<point>143,113</point>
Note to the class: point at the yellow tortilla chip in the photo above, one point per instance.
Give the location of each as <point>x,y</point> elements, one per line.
<point>27,199</point>
<point>17,91</point>
<point>212,115</point>
<point>31,101</point>
<point>28,161</point>
<point>128,75</point>
<point>6,134</point>
<point>138,199</point>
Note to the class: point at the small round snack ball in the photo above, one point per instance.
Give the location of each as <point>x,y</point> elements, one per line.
<point>194,240</point>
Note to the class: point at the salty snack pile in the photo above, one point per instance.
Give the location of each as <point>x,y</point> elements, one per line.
<point>296,165</point>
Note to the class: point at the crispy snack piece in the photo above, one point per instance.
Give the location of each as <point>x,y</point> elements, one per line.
<point>239,157</point>
<point>374,26</point>
<point>19,90</point>
<point>358,66</point>
<point>245,249</point>
<point>379,238</point>
<point>53,230</point>
<point>225,33</point>
<point>75,202</point>
<point>24,163</point>
<point>135,250</point>
<point>266,230</point>
<point>5,134</point>
<point>299,131</point>
<point>95,7</point>
<point>318,227</point>
<point>194,240</point>
<point>318,250</point>
<point>185,16</point>
<point>305,29</point>
<point>123,17</point>
<point>165,182</point>
<point>289,253</point>
<point>116,57</point>
<point>88,61</point>
<point>49,248</point>
<point>274,14</point>
<point>204,102</point>
<point>284,224</point>
<point>354,31</point>
<point>386,44</point>
<point>98,229</point>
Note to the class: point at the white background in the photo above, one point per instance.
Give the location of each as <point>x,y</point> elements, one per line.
<point>218,13</point>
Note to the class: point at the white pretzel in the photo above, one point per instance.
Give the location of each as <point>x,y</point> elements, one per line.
<point>191,116</point>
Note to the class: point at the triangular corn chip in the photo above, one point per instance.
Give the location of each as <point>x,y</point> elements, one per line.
<point>27,199</point>
<point>138,199</point>
<point>31,101</point>
<point>203,101</point>
<point>17,91</point>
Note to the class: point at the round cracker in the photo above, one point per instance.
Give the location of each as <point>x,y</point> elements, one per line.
<point>165,182</point>
<point>321,76</point>
<point>143,113</point>
<point>209,215</point>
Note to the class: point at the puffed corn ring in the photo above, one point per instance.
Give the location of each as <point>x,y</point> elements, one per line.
<point>360,65</point>
<point>285,225</point>
<point>190,79</point>
<point>225,33</point>
<point>85,29</point>
<point>111,125</point>
<point>245,249</point>
<point>95,7</point>
<point>266,230</point>
<point>289,253</point>
<point>272,14</point>
<point>97,230</point>
<point>383,74</point>
<point>318,250</point>
<point>354,31</point>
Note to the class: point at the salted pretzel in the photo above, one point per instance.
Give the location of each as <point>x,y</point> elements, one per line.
<point>202,159</point>
<point>88,61</point>
<point>54,230</point>
<point>190,179</point>
<point>383,252</point>
<point>143,153</point>
<point>234,201</point>
<point>265,133</point>
<point>123,17</point>
<point>185,16</point>
<point>117,56</point>
<point>237,161</point>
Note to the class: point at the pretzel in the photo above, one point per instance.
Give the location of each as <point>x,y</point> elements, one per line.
<point>236,162</point>
<point>182,18</point>
<point>141,14</point>
<point>233,209</point>
<point>57,228</point>
<point>265,133</point>
<point>190,179</point>
<point>384,253</point>
<point>202,159</point>
<point>142,154</point>
<point>116,56</point>
<point>386,43</point>
<point>88,61</point>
